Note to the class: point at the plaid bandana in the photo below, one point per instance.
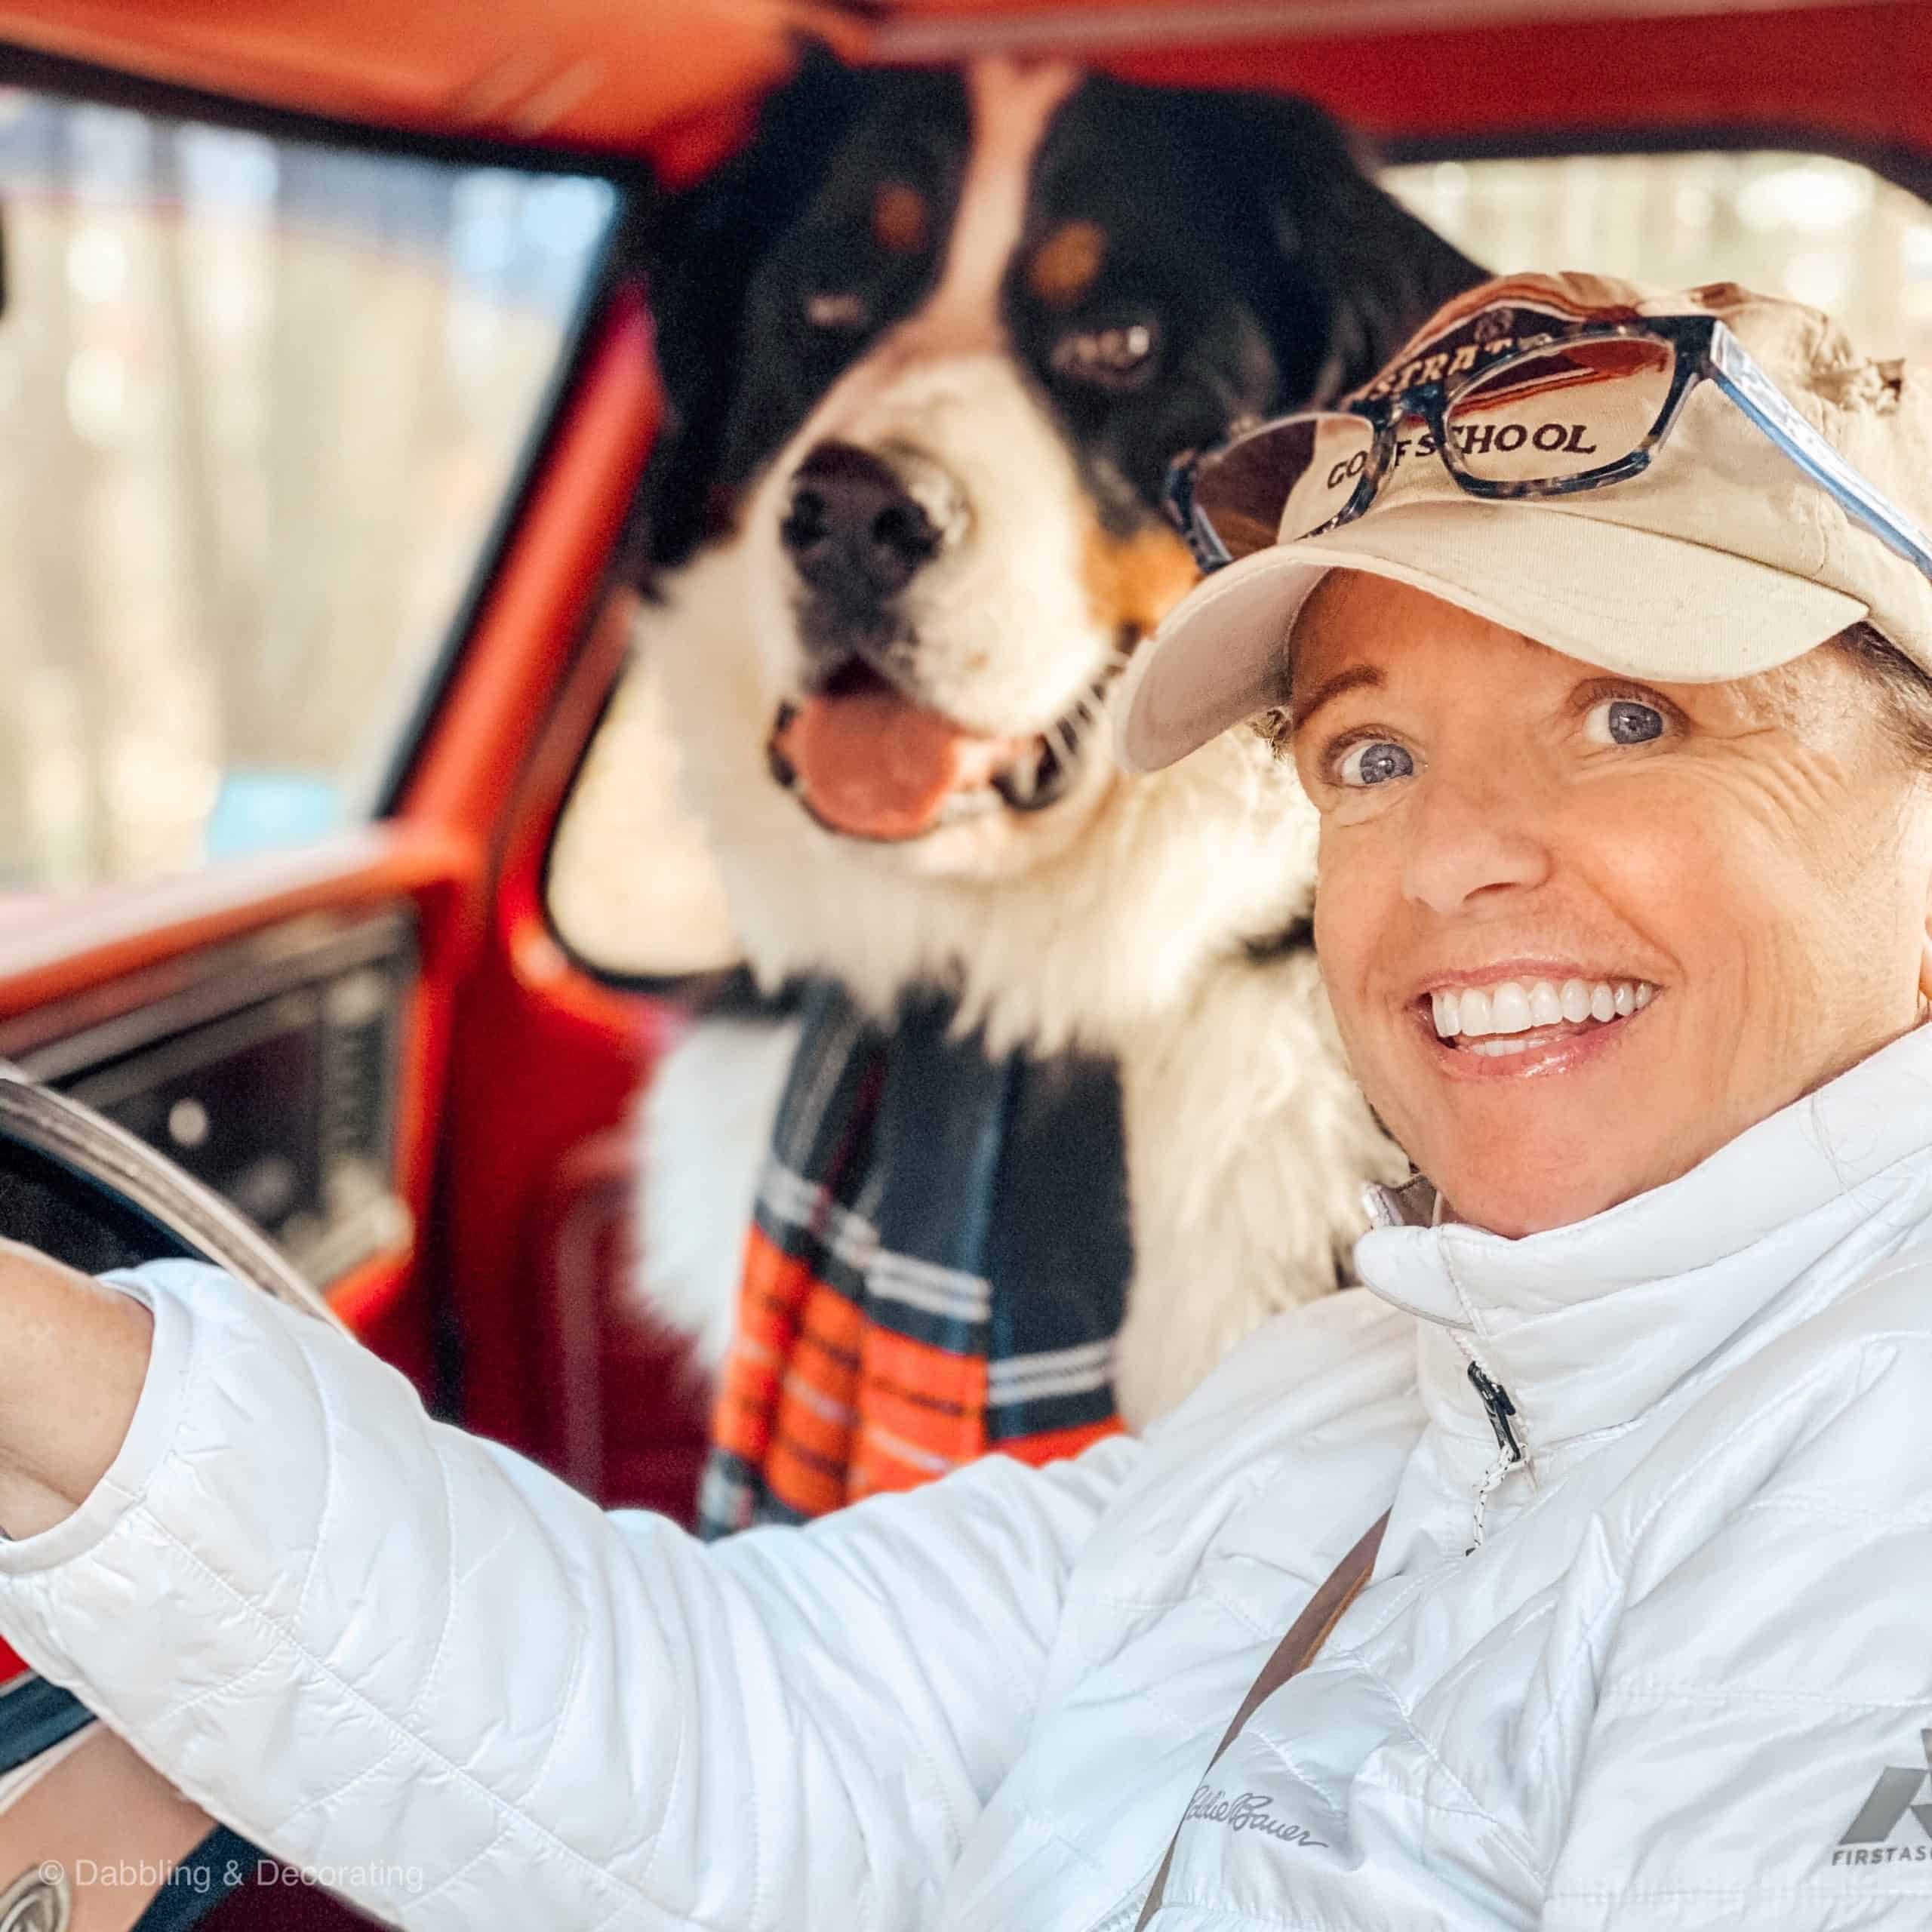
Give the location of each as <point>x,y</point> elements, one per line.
<point>937,1267</point>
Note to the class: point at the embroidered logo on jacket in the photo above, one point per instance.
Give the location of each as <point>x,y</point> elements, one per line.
<point>1899,1789</point>
<point>1246,1811</point>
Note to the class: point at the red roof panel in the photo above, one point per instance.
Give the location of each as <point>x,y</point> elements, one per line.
<point>671,79</point>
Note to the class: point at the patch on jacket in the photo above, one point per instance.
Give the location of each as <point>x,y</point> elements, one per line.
<point>1896,1794</point>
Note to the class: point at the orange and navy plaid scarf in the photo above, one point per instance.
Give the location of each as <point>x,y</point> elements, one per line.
<point>937,1267</point>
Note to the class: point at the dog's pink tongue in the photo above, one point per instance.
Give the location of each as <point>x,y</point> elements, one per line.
<point>874,765</point>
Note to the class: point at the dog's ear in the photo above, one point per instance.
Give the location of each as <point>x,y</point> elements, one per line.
<point>1354,272</point>
<point>698,251</point>
<point>1382,270</point>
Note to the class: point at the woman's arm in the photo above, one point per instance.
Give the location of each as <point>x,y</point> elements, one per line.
<point>406,1659</point>
<point>73,1357</point>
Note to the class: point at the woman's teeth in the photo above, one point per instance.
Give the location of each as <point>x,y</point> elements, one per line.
<point>1480,1015</point>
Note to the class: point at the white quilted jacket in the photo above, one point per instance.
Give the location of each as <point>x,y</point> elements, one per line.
<point>1680,1676</point>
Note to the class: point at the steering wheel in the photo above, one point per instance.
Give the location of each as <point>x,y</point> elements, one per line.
<point>78,1187</point>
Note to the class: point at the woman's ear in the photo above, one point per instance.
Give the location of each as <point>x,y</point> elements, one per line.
<point>1925,959</point>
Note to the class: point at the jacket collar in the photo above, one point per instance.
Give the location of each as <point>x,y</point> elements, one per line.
<point>1588,1326</point>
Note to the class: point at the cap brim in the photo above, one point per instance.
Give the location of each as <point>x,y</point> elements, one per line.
<point>1629,601</point>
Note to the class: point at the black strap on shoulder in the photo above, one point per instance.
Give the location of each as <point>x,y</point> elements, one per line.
<point>1291,1656</point>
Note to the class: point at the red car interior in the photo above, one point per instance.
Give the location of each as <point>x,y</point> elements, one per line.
<point>512,1072</point>
<point>671,82</point>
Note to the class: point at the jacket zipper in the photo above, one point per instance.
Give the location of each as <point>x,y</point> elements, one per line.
<point>1496,1400</point>
<point>1501,1411</point>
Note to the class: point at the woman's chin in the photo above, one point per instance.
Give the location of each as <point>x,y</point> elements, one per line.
<point>1530,1202</point>
<point>1526,1131</point>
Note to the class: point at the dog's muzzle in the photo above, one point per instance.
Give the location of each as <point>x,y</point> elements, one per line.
<point>861,750</point>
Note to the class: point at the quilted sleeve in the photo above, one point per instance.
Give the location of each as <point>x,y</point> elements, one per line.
<point>1758,1748</point>
<point>410,1662</point>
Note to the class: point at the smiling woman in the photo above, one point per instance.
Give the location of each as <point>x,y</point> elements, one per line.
<point>1529,871</point>
<point>1579,896</point>
<point>1614,1466</point>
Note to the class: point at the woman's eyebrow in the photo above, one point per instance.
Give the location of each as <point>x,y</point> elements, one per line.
<point>1357,678</point>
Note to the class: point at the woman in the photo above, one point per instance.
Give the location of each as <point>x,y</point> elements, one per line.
<point>1606,671</point>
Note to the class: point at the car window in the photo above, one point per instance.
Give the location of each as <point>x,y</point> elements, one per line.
<point>266,400</point>
<point>1822,230</point>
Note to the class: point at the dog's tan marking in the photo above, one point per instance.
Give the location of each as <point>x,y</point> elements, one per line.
<point>1063,266</point>
<point>1012,104</point>
<point>1133,582</point>
<point>901,218</point>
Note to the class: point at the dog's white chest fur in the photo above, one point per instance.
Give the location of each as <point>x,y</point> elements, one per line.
<point>1247,1143</point>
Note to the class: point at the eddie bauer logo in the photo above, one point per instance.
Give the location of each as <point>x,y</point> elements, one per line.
<point>1867,1840</point>
<point>1247,1811</point>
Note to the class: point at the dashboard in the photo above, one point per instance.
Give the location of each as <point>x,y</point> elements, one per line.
<point>267,1067</point>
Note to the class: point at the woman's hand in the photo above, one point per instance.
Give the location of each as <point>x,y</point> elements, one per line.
<point>73,1356</point>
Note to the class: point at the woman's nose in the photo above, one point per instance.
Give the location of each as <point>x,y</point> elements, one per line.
<point>1479,839</point>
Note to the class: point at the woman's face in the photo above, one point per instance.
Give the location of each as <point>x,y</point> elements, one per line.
<point>1514,844</point>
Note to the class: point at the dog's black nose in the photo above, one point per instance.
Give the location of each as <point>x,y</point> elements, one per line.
<point>852,527</point>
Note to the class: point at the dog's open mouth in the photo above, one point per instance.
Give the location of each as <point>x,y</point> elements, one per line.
<point>868,763</point>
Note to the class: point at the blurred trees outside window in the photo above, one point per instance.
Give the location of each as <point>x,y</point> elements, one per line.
<point>264,401</point>
<point>1816,229</point>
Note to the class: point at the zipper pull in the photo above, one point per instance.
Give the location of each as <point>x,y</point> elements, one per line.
<point>1496,1403</point>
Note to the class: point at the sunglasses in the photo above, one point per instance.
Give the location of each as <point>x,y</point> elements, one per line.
<point>1578,407</point>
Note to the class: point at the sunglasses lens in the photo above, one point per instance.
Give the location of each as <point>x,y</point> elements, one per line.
<point>1281,480</point>
<point>1560,412</point>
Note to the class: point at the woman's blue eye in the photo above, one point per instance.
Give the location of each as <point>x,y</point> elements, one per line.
<point>1375,762</point>
<point>1625,721</point>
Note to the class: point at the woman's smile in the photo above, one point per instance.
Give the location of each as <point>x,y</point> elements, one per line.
<point>1489,1026</point>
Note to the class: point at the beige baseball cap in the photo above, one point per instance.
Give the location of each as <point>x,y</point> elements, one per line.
<point>1722,558</point>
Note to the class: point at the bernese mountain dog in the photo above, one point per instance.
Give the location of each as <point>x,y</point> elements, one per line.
<point>930,343</point>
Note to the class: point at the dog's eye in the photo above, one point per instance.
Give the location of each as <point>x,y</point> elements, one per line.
<point>837,310</point>
<point>1119,357</point>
